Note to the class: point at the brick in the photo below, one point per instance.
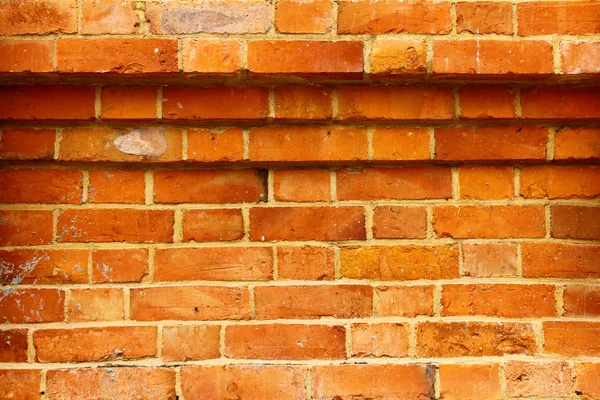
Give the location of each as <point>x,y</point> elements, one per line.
<point>193,303</point>
<point>474,339</point>
<point>213,146</point>
<point>212,225</point>
<point>398,57</point>
<point>575,222</point>
<point>209,186</point>
<point>410,183</point>
<point>489,260</point>
<point>100,144</point>
<point>114,186</point>
<point>580,57</point>
<point>215,103</point>
<point>116,225</point>
<point>117,56</point>
<point>305,57</point>
<point>50,186</point>
<point>302,185</point>
<point>574,143</point>
<point>560,260</point>
<point>581,301</point>
<point>153,383</point>
<point>23,227</point>
<point>587,379</point>
<point>190,342</point>
<point>305,263</point>
<point>303,102</point>
<point>471,381</point>
<point>379,340</point>
<point>43,267</point>
<point>404,301</point>
<point>499,300</point>
<point>499,222</point>
<point>556,182</point>
<point>27,144</point>
<point>393,16</point>
<point>541,379</point>
<point>44,305</point>
<point>210,17</point>
<point>26,55</point>
<point>400,144</point>
<point>129,102</point>
<point>487,101</point>
<point>399,222</point>
<point>212,56</point>
<point>492,57</point>
<point>486,183</point>
<point>23,17</point>
<point>108,17</point>
<point>119,265</point>
<point>296,16</point>
<point>13,345</point>
<point>285,342</point>
<point>556,102</point>
<point>560,17</point>
<point>410,381</point>
<point>298,302</point>
<point>399,262</point>
<point>52,102</point>
<point>216,263</point>
<point>390,103</point>
<point>282,382</point>
<point>104,304</point>
<point>307,223</point>
<point>22,384</point>
<point>572,338</point>
<point>484,17</point>
<point>289,144</point>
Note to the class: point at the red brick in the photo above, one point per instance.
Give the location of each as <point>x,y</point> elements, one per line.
<point>558,17</point>
<point>285,342</point>
<point>212,225</point>
<point>556,182</point>
<point>129,102</point>
<point>389,103</point>
<point>117,56</point>
<point>38,17</point>
<point>215,103</point>
<point>27,144</point>
<point>588,375</point>
<point>581,301</point>
<point>282,382</point>
<point>400,144</point>
<point>575,143</point>
<point>26,55</point>
<point>116,186</point>
<point>500,222</point>
<point>213,263</point>
<point>379,340</point>
<point>190,342</point>
<point>393,16</point>
<point>104,304</point>
<point>486,183</point>
<point>305,263</point>
<point>44,267</point>
<point>298,302</point>
<point>571,338</point>
<point>404,301</point>
<point>580,57</point>
<point>471,381</point>
<point>474,339</point>
<point>394,183</point>
<point>538,379</point>
<point>309,143</point>
<point>209,186</point>
<point>213,146</point>
<point>575,222</point>
<point>303,102</point>
<point>153,383</point>
<point>297,16</point>
<point>302,185</point>
<point>13,346</point>
<point>212,56</point>
<point>560,260</point>
<point>398,57</point>
<point>307,223</point>
<point>411,381</point>
<point>499,300</point>
<point>44,305</point>
<point>194,303</point>
<point>489,260</point>
<point>487,101</point>
<point>108,16</point>
<point>21,384</point>
<point>484,17</point>
<point>47,102</point>
<point>51,186</point>
<point>119,265</point>
<point>399,222</point>
<point>305,57</point>
<point>399,262</point>
<point>558,102</point>
<point>23,227</point>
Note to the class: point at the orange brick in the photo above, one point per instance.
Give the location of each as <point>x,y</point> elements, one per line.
<point>108,16</point>
<point>484,17</point>
<point>212,225</point>
<point>22,384</point>
<point>486,101</point>
<point>379,340</point>
<point>129,102</point>
<point>558,17</point>
<point>572,338</point>
<point>26,55</point>
<point>116,187</point>
<point>212,146</point>
<point>560,260</point>
<point>122,265</point>
<point>588,375</point>
<point>44,267</point>
<point>302,185</point>
<point>303,102</point>
<point>13,346</point>
<point>538,379</point>
<point>581,301</point>
<point>96,305</point>
<point>285,342</point>
<point>399,222</point>
<point>23,227</point>
<point>305,263</point>
<point>401,144</point>
<point>44,305</point>
<point>471,381</point>
<point>27,144</point>
<point>575,143</point>
<point>191,342</point>
<point>297,16</point>
<point>557,102</point>
<point>404,301</point>
<point>556,182</point>
<point>23,17</point>
<point>580,57</point>
<point>486,183</point>
<point>575,222</point>
<point>398,57</point>
<point>51,186</point>
<point>217,263</point>
<point>212,56</point>
<point>489,260</point>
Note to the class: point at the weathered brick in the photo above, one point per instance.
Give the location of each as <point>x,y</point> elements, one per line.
<point>297,16</point>
<point>484,17</point>
<point>572,338</point>
<point>22,384</point>
<point>305,263</point>
<point>575,143</point>
<point>108,16</point>
<point>212,56</point>
<point>560,182</point>
<point>558,17</point>
<point>190,342</point>
<point>575,222</point>
<point>587,379</point>
<point>213,146</point>
<point>302,185</point>
<point>486,101</point>
<point>581,301</point>
<point>43,266</point>
<point>38,17</point>
<point>556,102</point>
<point>404,301</point>
<point>13,346</point>
<point>489,260</point>
<point>40,186</point>
<point>486,183</point>
<point>212,225</point>
<point>580,57</point>
<point>560,260</point>
<point>43,305</point>
<point>119,265</point>
<point>23,227</point>
<point>26,55</point>
<point>398,57</point>
<point>470,381</point>
<point>96,305</point>
<point>399,222</point>
<point>129,102</point>
<point>114,186</point>
<point>400,144</point>
<point>379,340</point>
<point>303,102</point>
<point>538,379</point>
<point>27,144</point>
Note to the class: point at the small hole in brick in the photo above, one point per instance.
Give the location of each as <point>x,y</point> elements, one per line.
<point>196,309</point>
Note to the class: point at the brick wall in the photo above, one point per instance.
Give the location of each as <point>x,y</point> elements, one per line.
<point>299,199</point>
